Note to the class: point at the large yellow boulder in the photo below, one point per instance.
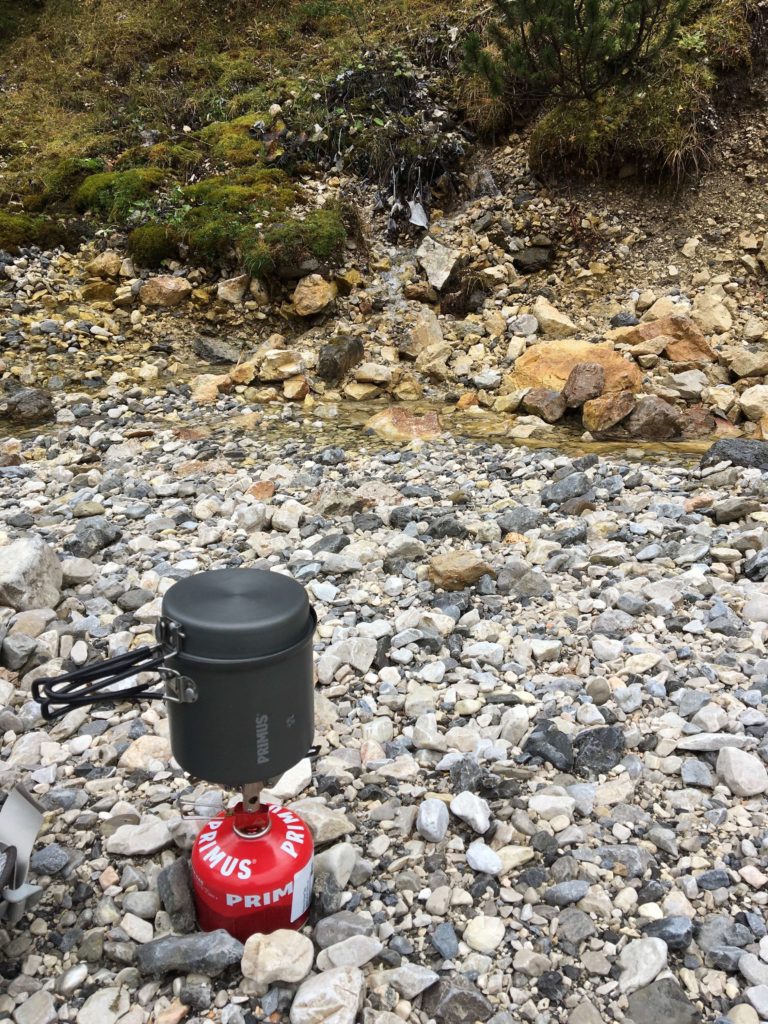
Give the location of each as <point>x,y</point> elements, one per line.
<point>549,365</point>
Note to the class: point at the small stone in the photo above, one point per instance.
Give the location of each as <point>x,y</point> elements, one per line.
<point>662,1001</point>
<point>481,857</point>
<point>457,570</point>
<point>565,893</point>
<point>105,1006</point>
<point>432,820</point>
<point>30,574</point>
<point>484,934</point>
<point>312,295</point>
<point>677,932</point>
<point>174,885</point>
<point>205,953</point>
<point>38,1008</point>
<point>283,955</point>
<point>472,809</point>
<point>333,997</point>
<point>165,291</point>
<point>150,836</point>
<point>641,960</point>
<point>456,1000</point>
<point>744,774</point>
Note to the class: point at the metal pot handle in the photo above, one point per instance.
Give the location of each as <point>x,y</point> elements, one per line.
<point>90,684</point>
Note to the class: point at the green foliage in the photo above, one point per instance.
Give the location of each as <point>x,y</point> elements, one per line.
<point>18,230</point>
<point>230,142</point>
<point>572,49</point>
<point>150,244</point>
<point>114,194</point>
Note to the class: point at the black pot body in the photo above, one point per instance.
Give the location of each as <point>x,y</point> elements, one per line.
<point>244,643</point>
<point>252,720</point>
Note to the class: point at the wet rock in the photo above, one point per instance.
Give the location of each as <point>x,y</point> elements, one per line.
<point>398,424</point>
<point>28,406</point>
<point>30,574</point>
<point>205,953</point>
<point>312,295</point>
<point>338,357</point>
<point>545,403</point>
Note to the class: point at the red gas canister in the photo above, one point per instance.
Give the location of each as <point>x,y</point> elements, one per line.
<point>253,872</point>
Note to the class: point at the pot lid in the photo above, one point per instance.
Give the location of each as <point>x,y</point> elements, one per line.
<point>236,614</point>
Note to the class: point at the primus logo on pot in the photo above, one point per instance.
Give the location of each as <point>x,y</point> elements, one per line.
<point>262,739</point>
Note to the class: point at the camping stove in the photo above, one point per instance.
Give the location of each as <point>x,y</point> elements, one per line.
<point>234,654</point>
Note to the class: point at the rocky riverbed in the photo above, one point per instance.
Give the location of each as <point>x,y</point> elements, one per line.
<point>539,786</point>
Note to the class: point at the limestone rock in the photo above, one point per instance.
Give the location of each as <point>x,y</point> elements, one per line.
<point>106,264</point>
<point>549,365</point>
<point>551,321</point>
<point>711,314</point>
<point>744,774</point>
<point>424,334</point>
<point>458,569</point>
<point>233,290</point>
<point>30,574</point>
<point>333,997</point>
<point>484,934</point>
<point>437,261</point>
<point>313,294</point>
<point>284,955</point>
<point>754,401</point>
<point>325,823</point>
<point>165,291</point>
<point>150,836</point>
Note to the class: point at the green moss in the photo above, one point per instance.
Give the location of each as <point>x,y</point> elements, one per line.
<point>230,142</point>
<point>19,230</point>
<point>113,194</point>
<point>150,244</point>
<point>62,180</point>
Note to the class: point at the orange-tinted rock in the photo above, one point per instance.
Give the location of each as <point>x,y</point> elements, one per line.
<point>468,399</point>
<point>686,343</point>
<point>398,424</point>
<point>550,364</point>
<point>165,290</point>
<point>458,569</point>
<point>605,412</point>
<point>262,490</point>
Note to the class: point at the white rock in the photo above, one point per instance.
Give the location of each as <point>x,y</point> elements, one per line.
<point>743,773</point>
<point>640,961</point>
<point>437,261</point>
<point>758,997</point>
<point>30,574</point>
<point>144,750</point>
<point>105,1006</point>
<point>432,820</point>
<point>514,725</point>
<point>481,857</point>
<point>484,934</point>
<point>551,805</point>
<point>472,809</point>
<point>150,836</point>
<point>356,951</point>
<point>325,823</point>
<point>290,783</point>
<point>36,1009</point>
<point>284,955</point>
<point>551,321</point>
<point>409,979</point>
<point>333,997</point>
<point>339,862</point>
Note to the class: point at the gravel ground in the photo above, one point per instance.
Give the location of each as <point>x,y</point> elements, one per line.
<point>538,794</point>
